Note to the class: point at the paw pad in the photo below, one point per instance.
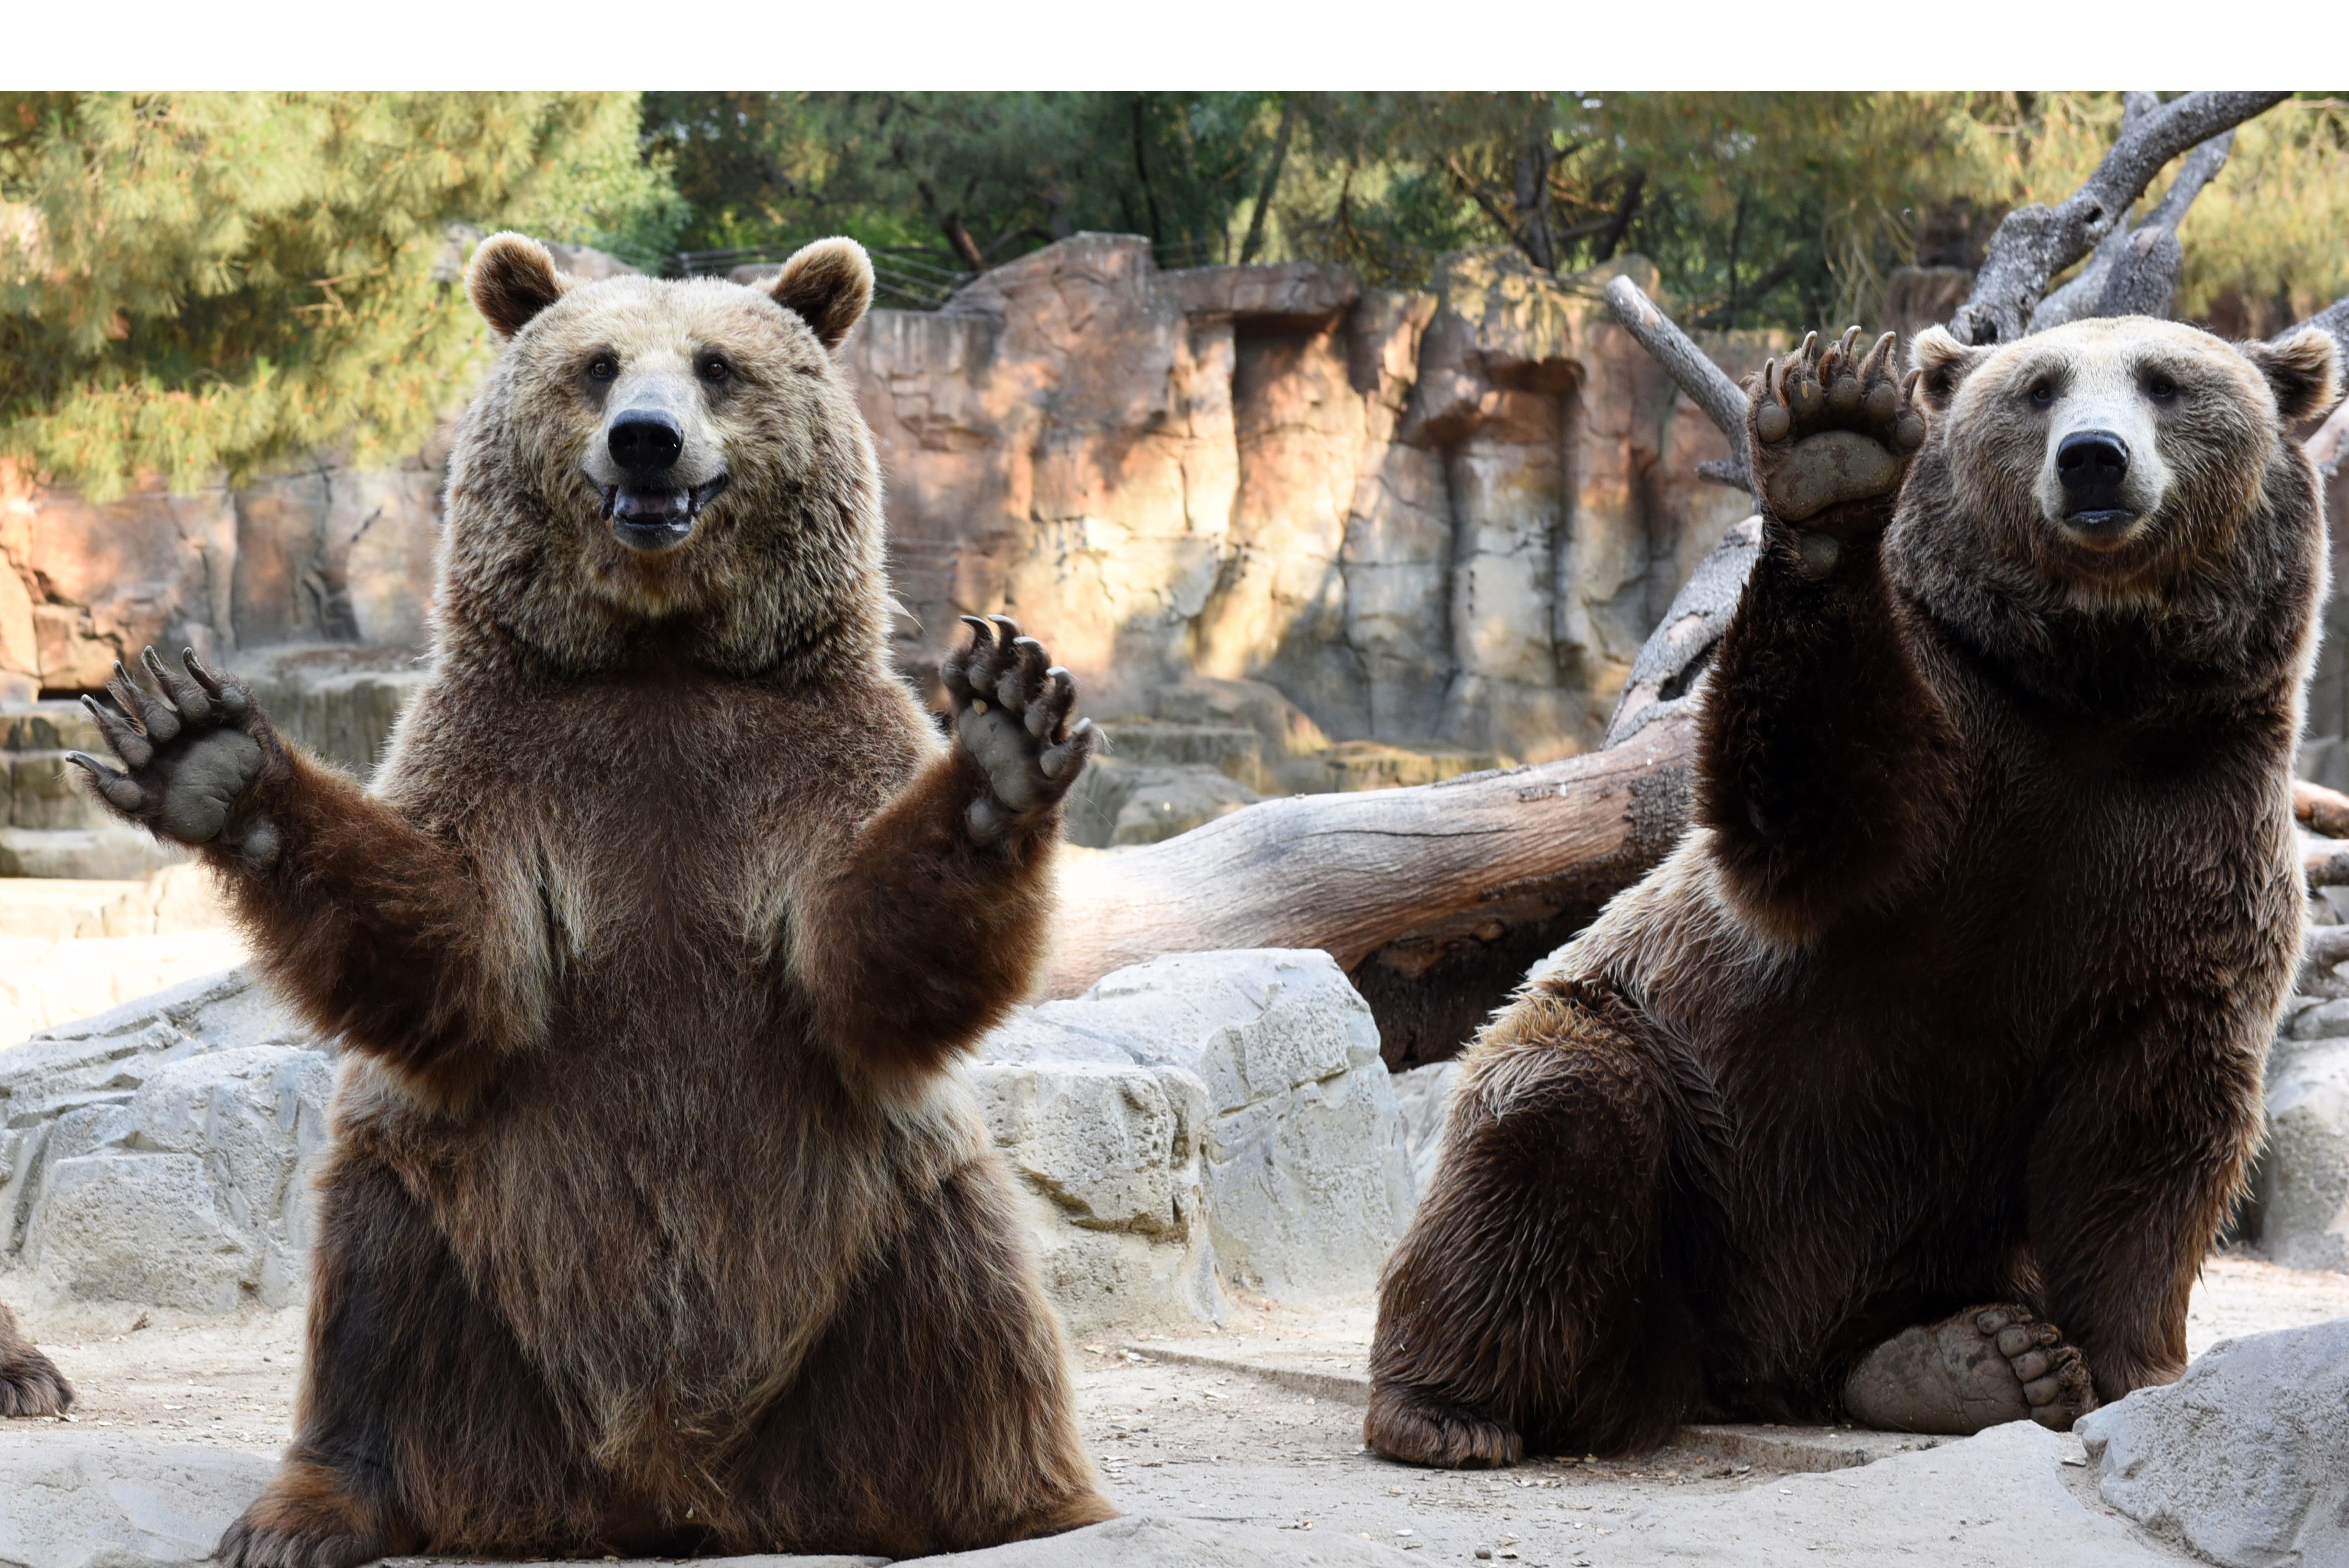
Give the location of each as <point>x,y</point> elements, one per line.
<point>1832,426</point>
<point>1012,708</point>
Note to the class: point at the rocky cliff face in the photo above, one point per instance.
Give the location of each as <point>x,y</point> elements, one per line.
<point>1446,516</point>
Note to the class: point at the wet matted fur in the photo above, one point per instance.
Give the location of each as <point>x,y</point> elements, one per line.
<point>655,1222</point>
<point>1959,990</point>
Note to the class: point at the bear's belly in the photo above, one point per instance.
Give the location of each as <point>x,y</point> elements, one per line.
<point>668,1211</point>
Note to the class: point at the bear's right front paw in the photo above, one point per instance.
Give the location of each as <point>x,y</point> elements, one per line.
<point>192,748</point>
<point>1832,431</point>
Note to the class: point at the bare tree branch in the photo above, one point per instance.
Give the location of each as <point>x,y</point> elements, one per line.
<point>1705,383</point>
<point>2036,243</point>
<point>2129,270</point>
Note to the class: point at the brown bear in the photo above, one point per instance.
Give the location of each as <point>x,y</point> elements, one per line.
<point>1914,1085</point>
<point>30,1384</point>
<point>656,1220</point>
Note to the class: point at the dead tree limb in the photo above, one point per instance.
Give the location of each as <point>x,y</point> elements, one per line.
<point>2128,270</point>
<point>2036,243</point>
<point>1707,385</point>
<point>1351,874</point>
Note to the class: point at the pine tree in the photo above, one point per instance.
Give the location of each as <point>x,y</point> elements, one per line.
<point>192,283</point>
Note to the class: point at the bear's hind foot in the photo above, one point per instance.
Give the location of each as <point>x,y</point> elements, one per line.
<point>1981,1368</point>
<point>1419,1429</point>
<point>31,1385</point>
<point>305,1519</point>
<point>1831,429</point>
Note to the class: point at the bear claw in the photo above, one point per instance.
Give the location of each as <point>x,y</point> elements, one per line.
<point>1011,705</point>
<point>1833,426</point>
<point>188,748</point>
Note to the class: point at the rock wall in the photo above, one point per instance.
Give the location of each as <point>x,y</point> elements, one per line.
<point>330,554</point>
<point>1443,516</point>
<point>1442,519</point>
<point>1446,516</point>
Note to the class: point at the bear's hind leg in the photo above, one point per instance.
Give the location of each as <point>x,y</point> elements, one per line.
<point>1529,1303</point>
<point>421,1425</point>
<point>936,1415</point>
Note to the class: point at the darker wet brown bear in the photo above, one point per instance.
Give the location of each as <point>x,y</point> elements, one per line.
<point>655,1223</point>
<point>1914,1086</point>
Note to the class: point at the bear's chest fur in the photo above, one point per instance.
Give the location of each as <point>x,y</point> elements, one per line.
<point>674,1147</point>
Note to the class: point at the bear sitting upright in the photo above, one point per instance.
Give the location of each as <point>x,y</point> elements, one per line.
<point>1914,1085</point>
<point>655,1220</point>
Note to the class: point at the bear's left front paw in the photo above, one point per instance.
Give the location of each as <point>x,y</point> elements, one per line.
<point>1012,717</point>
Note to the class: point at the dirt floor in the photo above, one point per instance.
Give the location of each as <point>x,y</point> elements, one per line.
<point>1227,1442</point>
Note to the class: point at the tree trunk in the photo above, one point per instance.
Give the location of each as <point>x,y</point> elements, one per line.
<point>1354,874</point>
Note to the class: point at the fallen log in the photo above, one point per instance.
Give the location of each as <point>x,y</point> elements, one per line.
<point>1355,874</point>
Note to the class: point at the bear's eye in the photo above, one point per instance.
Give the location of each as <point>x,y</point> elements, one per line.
<point>715,370</point>
<point>2160,387</point>
<point>602,367</point>
<point>2042,393</point>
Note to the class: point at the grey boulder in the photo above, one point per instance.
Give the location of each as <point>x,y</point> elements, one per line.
<point>2246,1457</point>
<point>76,1499</point>
<point>1307,1178</point>
<point>161,1153</point>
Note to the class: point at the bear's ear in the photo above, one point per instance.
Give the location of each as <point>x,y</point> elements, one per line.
<point>2302,369</point>
<point>510,279</point>
<point>828,284</point>
<point>1945,362</point>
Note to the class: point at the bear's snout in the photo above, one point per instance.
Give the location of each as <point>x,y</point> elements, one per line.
<point>2092,465</point>
<point>645,442</point>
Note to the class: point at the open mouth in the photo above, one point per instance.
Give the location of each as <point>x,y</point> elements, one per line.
<point>653,520</point>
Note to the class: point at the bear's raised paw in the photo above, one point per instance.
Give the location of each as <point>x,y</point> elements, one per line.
<point>1012,717</point>
<point>192,746</point>
<point>1976,1369</point>
<point>1830,429</point>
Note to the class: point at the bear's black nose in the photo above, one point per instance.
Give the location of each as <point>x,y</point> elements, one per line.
<point>2090,464</point>
<point>645,442</point>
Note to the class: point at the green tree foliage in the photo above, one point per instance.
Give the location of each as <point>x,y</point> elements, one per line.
<point>1758,209</point>
<point>977,177</point>
<point>192,283</point>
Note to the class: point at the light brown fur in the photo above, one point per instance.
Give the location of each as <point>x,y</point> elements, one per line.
<point>656,1220</point>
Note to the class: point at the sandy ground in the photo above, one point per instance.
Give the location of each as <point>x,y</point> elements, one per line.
<point>1170,1437</point>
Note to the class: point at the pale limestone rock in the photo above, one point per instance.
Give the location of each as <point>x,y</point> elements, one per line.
<point>1423,1098</point>
<point>1144,1541</point>
<point>2303,1174</point>
<point>1109,1158</point>
<point>2246,1457</point>
<point>1308,1180</point>
<point>162,1153</point>
<point>73,1498</point>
